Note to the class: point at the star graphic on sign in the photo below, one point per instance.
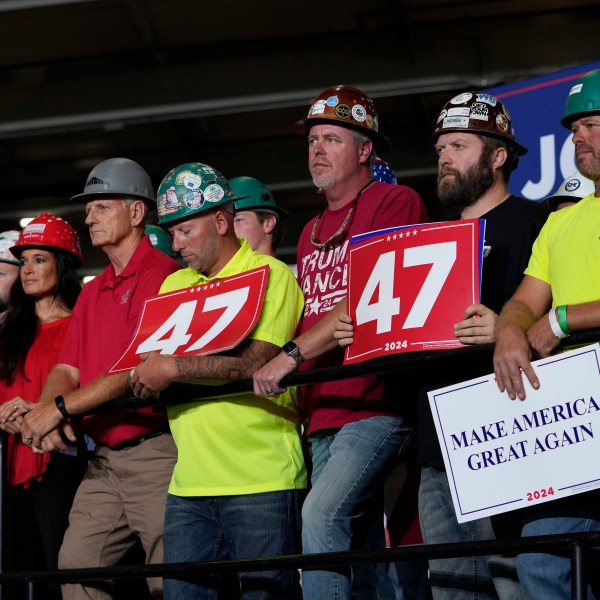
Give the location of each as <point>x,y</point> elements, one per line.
<point>400,235</point>
<point>218,284</point>
<point>389,239</point>
<point>415,232</point>
<point>212,285</point>
<point>395,236</point>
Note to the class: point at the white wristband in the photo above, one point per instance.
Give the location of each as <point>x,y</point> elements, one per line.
<point>556,330</point>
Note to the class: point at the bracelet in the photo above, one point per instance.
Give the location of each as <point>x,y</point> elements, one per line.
<point>561,311</point>
<point>60,404</point>
<point>556,330</point>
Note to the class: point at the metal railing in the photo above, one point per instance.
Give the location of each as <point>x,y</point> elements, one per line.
<point>416,364</point>
<point>576,544</point>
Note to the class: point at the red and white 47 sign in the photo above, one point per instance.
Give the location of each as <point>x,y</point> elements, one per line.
<point>408,286</point>
<point>203,319</point>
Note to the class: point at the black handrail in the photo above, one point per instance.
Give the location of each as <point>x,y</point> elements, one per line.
<point>398,364</point>
<point>577,542</point>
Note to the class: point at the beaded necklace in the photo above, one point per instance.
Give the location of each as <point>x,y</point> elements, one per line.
<point>338,237</point>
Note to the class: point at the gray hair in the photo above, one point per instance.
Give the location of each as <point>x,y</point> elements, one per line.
<point>127,202</point>
<point>361,138</point>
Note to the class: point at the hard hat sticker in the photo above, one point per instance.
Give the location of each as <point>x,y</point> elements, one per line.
<point>190,180</point>
<point>342,111</point>
<point>318,107</point>
<point>479,111</point>
<point>455,122</point>
<point>214,192</point>
<point>461,98</point>
<point>572,185</point>
<point>502,123</point>
<point>459,111</point>
<point>576,88</point>
<point>35,228</point>
<point>168,203</point>
<point>487,98</point>
<point>359,113</point>
<point>194,198</point>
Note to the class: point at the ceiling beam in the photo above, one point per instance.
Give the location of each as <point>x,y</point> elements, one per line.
<point>12,5</point>
<point>118,118</point>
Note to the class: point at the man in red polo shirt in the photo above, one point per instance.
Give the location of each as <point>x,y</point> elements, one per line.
<point>123,494</point>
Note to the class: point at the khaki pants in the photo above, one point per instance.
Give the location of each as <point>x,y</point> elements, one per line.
<point>122,495</point>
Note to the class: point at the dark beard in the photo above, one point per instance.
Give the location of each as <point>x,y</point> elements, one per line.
<point>467,188</point>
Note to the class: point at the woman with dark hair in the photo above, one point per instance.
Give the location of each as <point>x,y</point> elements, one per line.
<point>41,486</point>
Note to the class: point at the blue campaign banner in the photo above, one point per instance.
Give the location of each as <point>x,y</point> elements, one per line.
<point>536,106</point>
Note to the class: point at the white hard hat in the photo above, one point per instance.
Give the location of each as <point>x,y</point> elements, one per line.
<point>7,240</point>
<point>572,189</point>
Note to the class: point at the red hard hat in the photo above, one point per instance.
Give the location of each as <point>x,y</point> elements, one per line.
<point>49,232</point>
<point>346,106</point>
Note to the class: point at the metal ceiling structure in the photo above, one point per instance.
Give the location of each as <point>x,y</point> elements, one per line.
<point>171,82</point>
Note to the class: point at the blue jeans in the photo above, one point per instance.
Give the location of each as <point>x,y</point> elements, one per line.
<point>344,508</point>
<point>247,526</point>
<point>548,576</point>
<point>465,578</point>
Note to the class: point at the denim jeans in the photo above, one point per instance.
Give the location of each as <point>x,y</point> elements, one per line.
<point>247,526</point>
<point>465,578</point>
<point>344,508</point>
<point>548,576</point>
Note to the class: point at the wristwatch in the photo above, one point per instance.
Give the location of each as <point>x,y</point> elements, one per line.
<point>60,404</point>
<point>291,349</point>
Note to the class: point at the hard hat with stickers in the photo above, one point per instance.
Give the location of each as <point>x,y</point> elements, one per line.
<point>190,189</point>
<point>346,106</point>
<point>479,113</point>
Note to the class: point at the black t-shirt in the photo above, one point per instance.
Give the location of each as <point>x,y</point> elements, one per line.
<point>511,229</point>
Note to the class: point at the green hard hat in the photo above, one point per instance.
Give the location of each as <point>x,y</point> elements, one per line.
<point>583,99</point>
<point>190,189</point>
<point>254,195</point>
<point>160,239</point>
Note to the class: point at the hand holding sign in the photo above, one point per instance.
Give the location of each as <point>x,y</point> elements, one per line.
<point>501,455</point>
<point>409,285</point>
<point>203,319</point>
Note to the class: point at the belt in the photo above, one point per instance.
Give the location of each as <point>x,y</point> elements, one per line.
<point>133,442</point>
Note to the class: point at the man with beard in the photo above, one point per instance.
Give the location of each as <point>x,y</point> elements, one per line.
<point>560,293</point>
<point>9,267</point>
<point>477,151</point>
